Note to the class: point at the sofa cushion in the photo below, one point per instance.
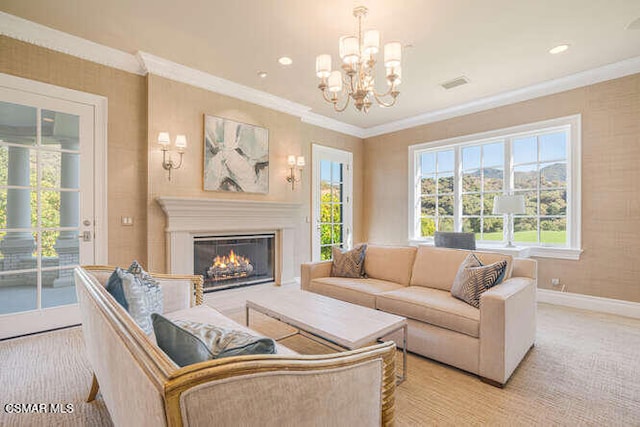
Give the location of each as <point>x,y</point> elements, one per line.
<point>389,263</point>
<point>356,291</point>
<point>205,314</point>
<point>433,306</point>
<point>348,263</point>
<point>437,267</point>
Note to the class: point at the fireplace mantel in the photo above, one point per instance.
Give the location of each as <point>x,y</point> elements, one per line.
<point>190,217</point>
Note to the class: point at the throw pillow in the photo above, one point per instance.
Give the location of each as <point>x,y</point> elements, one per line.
<point>349,263</point>
<point>138,293</point>
<point>473,279</point>
<point>187,342</point>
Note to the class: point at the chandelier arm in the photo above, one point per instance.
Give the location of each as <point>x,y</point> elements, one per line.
<point>326,98</point>
<point>380,101</point>
<point>344,107</point>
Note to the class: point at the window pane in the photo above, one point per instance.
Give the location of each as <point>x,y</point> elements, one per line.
<point>325,171</point>
<point>337,234</point>
<point>471,181</point>
<point>445,224</point>
<point>60,130</point>
<point>325,234</point>
<point>23,123</point>
<point>553,175</point>
<point>427,163</point>
<point>553,147</point>
<point>471,158</point>
<point>445,161</point>
<point>525,177</point>
<point>493,154</point>
<point>50,205</point>
<point>471,204</point>
<point>553,230</point>
<point>336,193</point>
<point>58,288</point>
<point>472,225</point>
<point>428,207</point>
<point>428,185</point>
<point>336,172</point>
<point>493,179</point>
<point>492,228</point>
<point>488,202</point>
<point>17,292</point>
<point>445,184</point>
<point>525,150</point>
<point>445,205</point>
<point>525,229</point>
<point>553,202</point>
<point>336,212</point>
<point>325,253</point>
<point>325,212</point>
<point>427,227</point>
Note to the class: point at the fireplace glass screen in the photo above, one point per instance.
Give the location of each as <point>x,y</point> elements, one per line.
<point>232,261</point>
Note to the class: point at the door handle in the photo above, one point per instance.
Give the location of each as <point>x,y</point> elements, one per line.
<point>85,236</point>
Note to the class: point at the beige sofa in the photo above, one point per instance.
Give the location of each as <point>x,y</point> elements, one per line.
<point>142,386</point>
<point>416,283</point>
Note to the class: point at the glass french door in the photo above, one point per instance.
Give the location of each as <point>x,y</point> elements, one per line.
<point>46,209</point>
<point>332,201</point>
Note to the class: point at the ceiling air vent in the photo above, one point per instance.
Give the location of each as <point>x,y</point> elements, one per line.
<point>459,81</point>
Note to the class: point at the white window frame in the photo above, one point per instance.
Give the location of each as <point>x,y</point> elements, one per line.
<point>571,124</point>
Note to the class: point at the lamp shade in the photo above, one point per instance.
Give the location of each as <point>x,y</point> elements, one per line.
<point>392,54</point>
<point>164,139</point>
<point>181,142</point>
<point>300,161</point>
<point>335,81</point>
<point>323,66</point>
<point>291,160</point>
<point>371,42</point>
<point>508,205</point>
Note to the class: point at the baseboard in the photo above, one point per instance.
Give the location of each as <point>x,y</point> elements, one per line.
<point>588,302</point>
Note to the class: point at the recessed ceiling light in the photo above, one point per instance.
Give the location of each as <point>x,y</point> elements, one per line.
<point>285,60</point>
<point>558,49</point>
<point>262,74</point>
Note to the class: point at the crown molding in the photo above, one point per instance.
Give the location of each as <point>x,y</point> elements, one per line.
<point>143,63</point>
<point>39,35</point>
<point>549,87</point>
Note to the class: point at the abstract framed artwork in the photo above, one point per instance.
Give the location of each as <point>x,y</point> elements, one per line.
<point>236,156</point>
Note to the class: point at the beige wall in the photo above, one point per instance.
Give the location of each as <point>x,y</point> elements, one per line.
<point>180,108</point>
<point>610,112</point>
<point>127,133</point>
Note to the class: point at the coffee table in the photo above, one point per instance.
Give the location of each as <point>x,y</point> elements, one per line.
<point>343,324</point>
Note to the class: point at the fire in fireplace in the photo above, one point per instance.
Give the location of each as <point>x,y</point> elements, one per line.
<point>229,267</point>
<point>232,261</point>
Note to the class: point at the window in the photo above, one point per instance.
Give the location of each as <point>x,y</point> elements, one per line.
<point>455,182</point>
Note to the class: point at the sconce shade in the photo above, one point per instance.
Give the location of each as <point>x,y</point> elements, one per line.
<point>508,205</point>
<point>164,139</point>
<point>291,160</point>
<point>301,161</point>
<point>181,142</point>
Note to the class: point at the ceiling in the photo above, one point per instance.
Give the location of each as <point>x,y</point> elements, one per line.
<point>500,45</point>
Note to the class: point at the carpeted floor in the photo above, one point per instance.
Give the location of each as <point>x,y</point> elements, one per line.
<point>584,370</point>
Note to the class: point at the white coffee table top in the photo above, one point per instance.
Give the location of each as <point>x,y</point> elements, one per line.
<point>348,325</point>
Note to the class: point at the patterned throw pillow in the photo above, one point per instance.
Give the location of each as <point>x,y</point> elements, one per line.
<point>473,279</point>
<point>138,292</point>
<point>187,342</point>
<point>349,263</point>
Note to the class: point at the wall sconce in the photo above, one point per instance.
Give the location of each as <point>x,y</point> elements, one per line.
<point>292,161</point>
<point>181,143</point>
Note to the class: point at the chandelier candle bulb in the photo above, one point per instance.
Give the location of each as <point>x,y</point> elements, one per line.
<point>323,66</point>
<point>371,42</point>
<point>392,54</point>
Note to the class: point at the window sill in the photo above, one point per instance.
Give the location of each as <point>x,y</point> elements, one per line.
<point>521,251</point>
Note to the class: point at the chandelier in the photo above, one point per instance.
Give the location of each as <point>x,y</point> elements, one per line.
<point>358,63</point>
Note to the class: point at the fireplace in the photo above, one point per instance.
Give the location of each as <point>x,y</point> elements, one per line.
<point>231,261</point>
